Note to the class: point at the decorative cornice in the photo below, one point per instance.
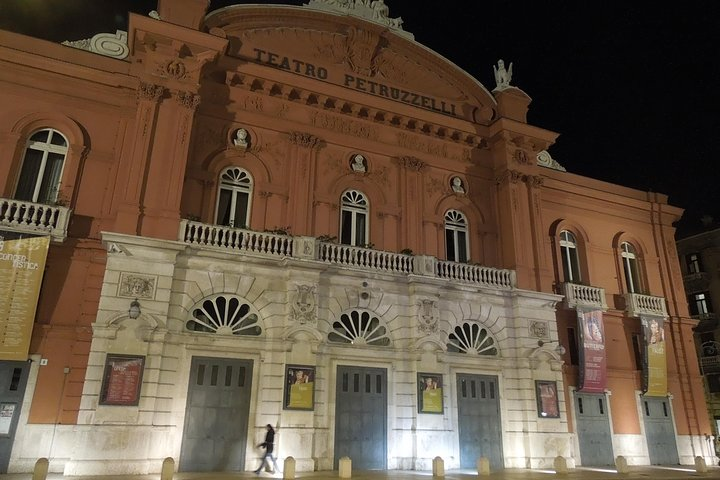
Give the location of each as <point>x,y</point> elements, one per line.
<point>305,140</point>
<point>187,100</point>
<point>150,91</point>
<point>545,160</point>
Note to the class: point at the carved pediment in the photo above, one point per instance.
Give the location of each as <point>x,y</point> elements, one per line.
<point>352,53</point>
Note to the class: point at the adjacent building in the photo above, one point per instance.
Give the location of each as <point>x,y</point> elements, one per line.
<point>300,216</point>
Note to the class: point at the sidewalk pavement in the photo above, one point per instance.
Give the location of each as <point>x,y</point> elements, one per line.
<point>680,472</point>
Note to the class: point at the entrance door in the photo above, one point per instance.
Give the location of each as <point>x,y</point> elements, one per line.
<point>361,417</point>
<point>216,416</point>
<point>659,431</point>
<point>479,421</point>
<point>13,379</point>
<point>593,429</point>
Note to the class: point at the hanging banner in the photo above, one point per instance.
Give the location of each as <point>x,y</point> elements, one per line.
<point>655,362</point>
<point>593,360</point>
<point>22,264</point>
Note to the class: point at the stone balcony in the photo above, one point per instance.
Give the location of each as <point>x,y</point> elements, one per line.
<point>584,296</point>
<point>310,248</point>
<point>34,218</point>
<point>637,304</point>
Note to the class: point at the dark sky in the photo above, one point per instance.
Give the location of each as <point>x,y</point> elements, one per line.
<point>632,87</point>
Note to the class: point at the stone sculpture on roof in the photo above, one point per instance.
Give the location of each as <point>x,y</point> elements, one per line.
<point>374,10</point>
<point>502,76</point>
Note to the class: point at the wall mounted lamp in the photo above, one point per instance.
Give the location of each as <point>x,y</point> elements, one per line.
<point>559,349</point>
<point>134,311</point>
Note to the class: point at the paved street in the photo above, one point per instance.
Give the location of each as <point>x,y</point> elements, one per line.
<point>663,473</point>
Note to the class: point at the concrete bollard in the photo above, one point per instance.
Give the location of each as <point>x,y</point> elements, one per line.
<point>700,465</point>
<point>483,466</point>
<point>289,468</point>
<point>168,469</point>
<point>438,467</point>
<point>560,465</point>
<point>621,464</point>
<point>345,467</point>
<point>41,469</point>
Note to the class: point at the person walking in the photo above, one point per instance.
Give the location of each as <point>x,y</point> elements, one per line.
<point>268,445</point>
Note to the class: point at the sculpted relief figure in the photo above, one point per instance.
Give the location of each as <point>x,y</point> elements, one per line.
<point>375,10</point>
<point>502,76</point>
<point>241,138</point>
<point>380,10</point>
<point>358,163</point>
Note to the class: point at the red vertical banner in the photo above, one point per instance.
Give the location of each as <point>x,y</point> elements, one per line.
<point>655,364</point>
<point>593,359</point>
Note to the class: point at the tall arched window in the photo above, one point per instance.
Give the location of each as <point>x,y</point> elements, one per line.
<point>630,266</point>
<point>42,167</point>
<point>570,258</point>
<point>456,242</point>
<point>354,218</point>
<point>233,204</point>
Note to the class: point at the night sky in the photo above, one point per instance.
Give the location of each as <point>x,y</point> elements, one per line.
<point>632,87</point>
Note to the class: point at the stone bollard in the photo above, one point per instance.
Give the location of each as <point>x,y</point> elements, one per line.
<point>345,467</point>
<point>41,469</point>
<point>621,464</point>
<point>289,468</point>
<point>438,467</point>
<point>168,469</point>
<point>560,465</point>
<point>483,466</point>
<point>700,465</point>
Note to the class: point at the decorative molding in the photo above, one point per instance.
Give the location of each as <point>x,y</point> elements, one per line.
<point>343,125</point>
<point>411,163</point>
<point>538,329</point>
<point>509,176</point>
<point>305,140</point>
<point>534,180</point>
<point>428,316</point>
<point>135,285</point>
<point>150,91</point>
<point>304,304</point>
<point>521,157</point>
<point>545,160</point>
<point>107,44</point>
<point>187,100</point>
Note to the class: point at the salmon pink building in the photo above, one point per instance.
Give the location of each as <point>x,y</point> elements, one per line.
<point>300,216</point>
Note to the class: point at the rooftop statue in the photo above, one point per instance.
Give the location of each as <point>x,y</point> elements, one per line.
<point>374,10</point>
<point>502,76</point>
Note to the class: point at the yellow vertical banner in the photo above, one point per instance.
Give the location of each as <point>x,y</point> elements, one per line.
<point>656,368</point>
<point>22,264</point>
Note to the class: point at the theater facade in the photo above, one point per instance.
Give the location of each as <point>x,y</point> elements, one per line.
<point>300,216</point>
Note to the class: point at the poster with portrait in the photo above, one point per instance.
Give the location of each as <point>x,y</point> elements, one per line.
<point>430,393</point>
<point>122,380</point>
<point>299,387</point>
<point>546,394</point>
<point>593,358</point>
<point>654,362</point>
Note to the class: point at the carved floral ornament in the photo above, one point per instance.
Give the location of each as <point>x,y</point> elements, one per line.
<point>305,140</point>
<point>187,100</point>
<point>150,91</point>
<point>514,176</point>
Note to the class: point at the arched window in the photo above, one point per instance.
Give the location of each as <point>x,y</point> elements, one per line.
<point>472,339</point>
<point>224,315</point>
<point>354,219</point>
<point>42,167</point>
<point>456,243</point>
<point>359,328</point>
<point>570,258</point>
<point>234,196</point>
<point>630,266</point>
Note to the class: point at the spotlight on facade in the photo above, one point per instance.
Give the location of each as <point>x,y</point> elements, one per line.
<point>134,311</point>
<point>559,349</point>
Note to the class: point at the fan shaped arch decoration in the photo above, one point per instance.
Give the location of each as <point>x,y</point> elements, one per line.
<point>359,327</point>
<point>224,315</point>
<point>472,339</point>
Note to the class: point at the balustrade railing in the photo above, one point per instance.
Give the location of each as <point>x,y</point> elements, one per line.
<point>309,248</point>
<point>584,296</point>
<point>637,304</point>
<point>34,218</point>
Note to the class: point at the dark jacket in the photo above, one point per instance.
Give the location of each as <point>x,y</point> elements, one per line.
<point>269,440</point>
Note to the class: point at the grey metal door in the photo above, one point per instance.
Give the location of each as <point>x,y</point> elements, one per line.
<point>13,379</point>
<point>593,429</point>
<point>216,416</point>
<point>361,417</point>
<point>479,423</point>
<point>659,431</point>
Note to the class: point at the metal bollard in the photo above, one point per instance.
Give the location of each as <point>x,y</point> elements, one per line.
<point>345,467</point>
<point>438,467</point>
<point>621,464</point>
<point>41,469</point>
<point>483,466</point>
<point>168,469</point>
<point>560,465</point>
<point>289,468</point>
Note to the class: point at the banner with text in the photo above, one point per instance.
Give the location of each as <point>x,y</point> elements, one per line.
<point>593,360</point>
<point>22,264</point>
<point>655,362</point>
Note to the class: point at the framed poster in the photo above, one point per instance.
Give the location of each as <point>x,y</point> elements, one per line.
<point>7,412</point>
<point>430,393</point>
<point>547,399</point>
<point>299,387</point>
<point>122,380</point>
